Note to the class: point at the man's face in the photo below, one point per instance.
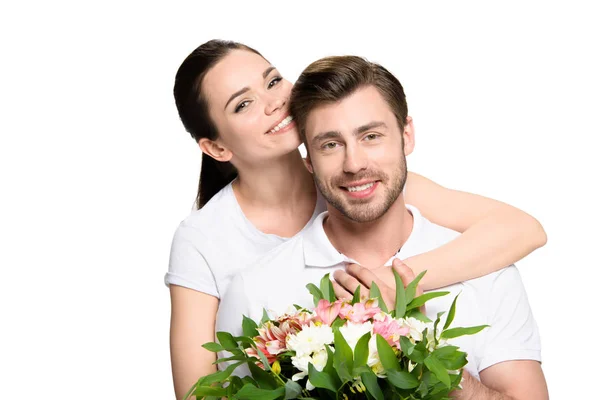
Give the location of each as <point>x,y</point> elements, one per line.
<point>357,154</point>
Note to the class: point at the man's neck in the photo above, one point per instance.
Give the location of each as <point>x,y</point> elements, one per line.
<point>371,244</point>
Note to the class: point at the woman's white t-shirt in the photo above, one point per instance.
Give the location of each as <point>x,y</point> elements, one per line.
<point>215,242</point>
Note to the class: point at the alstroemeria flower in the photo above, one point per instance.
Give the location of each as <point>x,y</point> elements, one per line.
<point>391,329</point>
<point>327,312</point>
<point>359,312</point>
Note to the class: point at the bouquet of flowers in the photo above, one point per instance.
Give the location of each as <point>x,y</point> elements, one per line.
<point>356,349</point>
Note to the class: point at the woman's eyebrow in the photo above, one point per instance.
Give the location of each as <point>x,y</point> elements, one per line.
<point>245,89</point>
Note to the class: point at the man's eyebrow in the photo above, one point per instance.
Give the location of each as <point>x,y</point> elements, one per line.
<point>245,89</point>
<point>367,127</point>
<point>326,135</point>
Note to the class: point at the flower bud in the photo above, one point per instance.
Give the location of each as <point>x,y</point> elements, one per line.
<point>276,368</point>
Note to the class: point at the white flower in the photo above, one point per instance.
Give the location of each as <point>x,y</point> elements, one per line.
<point>352,332</point>
<point>310,339</point>
<point>416,327</point>
<point>431,342</point>
<point>373,360</point>
<point>318,360</point>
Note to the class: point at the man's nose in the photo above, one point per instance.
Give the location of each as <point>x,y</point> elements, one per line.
<point>355,159</point>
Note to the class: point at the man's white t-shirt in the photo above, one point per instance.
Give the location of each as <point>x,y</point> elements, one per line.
<point>279,280</point>
<point>215,242</point>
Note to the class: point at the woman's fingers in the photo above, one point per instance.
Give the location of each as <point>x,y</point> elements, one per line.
<point>349,283</point>
<point>407,275</point>
<point>340,292</point>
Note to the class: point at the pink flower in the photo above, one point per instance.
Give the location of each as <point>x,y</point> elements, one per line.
<point>327,312</point>
<point>391,330</point>
<point>359,312</point>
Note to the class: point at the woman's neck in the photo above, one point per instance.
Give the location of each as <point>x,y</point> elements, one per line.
<point>280,184</point>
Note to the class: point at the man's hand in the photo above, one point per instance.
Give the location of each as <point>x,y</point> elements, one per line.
<point>346,282</point>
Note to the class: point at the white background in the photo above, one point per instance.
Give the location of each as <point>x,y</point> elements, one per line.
<point>97,171</point>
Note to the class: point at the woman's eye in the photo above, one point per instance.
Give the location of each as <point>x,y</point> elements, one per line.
<point>274,82</point>
<point>242,105</point>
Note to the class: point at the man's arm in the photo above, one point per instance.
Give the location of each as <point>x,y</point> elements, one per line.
<point>514,380</point>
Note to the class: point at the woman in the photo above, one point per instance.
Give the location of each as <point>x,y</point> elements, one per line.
<point>255,193</point>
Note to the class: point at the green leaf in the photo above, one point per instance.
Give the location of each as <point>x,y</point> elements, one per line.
<point>264,380</point>
<point>451,357</point>
<point>451,313</point>
<point>435,325</point>
<point>265,317</point>
<point>209,391</point>
<point>457,332</point>
<point>327,289</point>
<point>219,376</point>
<point>237,357</point>
<point>386,355</point>
<point>356,297</point>
<point>316,293</point>
<point>415,313</point>
<point>400,308</point>
<point>339,322</point>
<point>342,358</point>
<point>361,351</point>
<point>292,389</point>
<point>227,341</point>
<point>212,346</point>
<point>413,352</point>
<point>370,380</point>
<point>251,392</point>
<point>438,369</point>
<point>411,288</point>
<point>422,299</point>
<point>245,341</point>
<point>375,293</point>
<point>249,327</point>
<point>402,379</point>
<point>330,369</point>
<point>321,379</point>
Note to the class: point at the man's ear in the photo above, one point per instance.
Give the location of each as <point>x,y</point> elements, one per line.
<point>409,136</point>
<point>215,150</point>
<point>307,163</point>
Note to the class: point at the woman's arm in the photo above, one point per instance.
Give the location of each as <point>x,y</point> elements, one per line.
<point>494,234</point>
<point>193,316</point>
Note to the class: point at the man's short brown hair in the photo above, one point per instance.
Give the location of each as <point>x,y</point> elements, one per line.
<point>332,79</point>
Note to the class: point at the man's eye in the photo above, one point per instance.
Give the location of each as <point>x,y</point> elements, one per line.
<point>274,82</point>
<point>330,145</point>
<point>242,105</point>
<point>371,136</point>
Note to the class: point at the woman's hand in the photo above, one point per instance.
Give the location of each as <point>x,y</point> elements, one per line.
<point>346,282</point>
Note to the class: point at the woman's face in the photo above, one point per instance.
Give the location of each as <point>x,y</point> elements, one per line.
<point>248,102</point>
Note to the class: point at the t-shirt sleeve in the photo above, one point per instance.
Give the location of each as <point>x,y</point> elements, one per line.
<point>187,264</point>
<point>513,333</point>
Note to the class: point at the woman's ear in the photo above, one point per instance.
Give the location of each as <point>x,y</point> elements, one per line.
<point>409,136</point>
<point>215,150</point>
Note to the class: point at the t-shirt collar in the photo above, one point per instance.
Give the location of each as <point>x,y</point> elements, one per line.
<point>319,252</point>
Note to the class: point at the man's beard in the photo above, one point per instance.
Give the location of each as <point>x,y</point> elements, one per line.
<point>360,210</point>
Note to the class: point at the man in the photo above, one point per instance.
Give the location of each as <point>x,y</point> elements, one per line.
<point>353,118</point>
